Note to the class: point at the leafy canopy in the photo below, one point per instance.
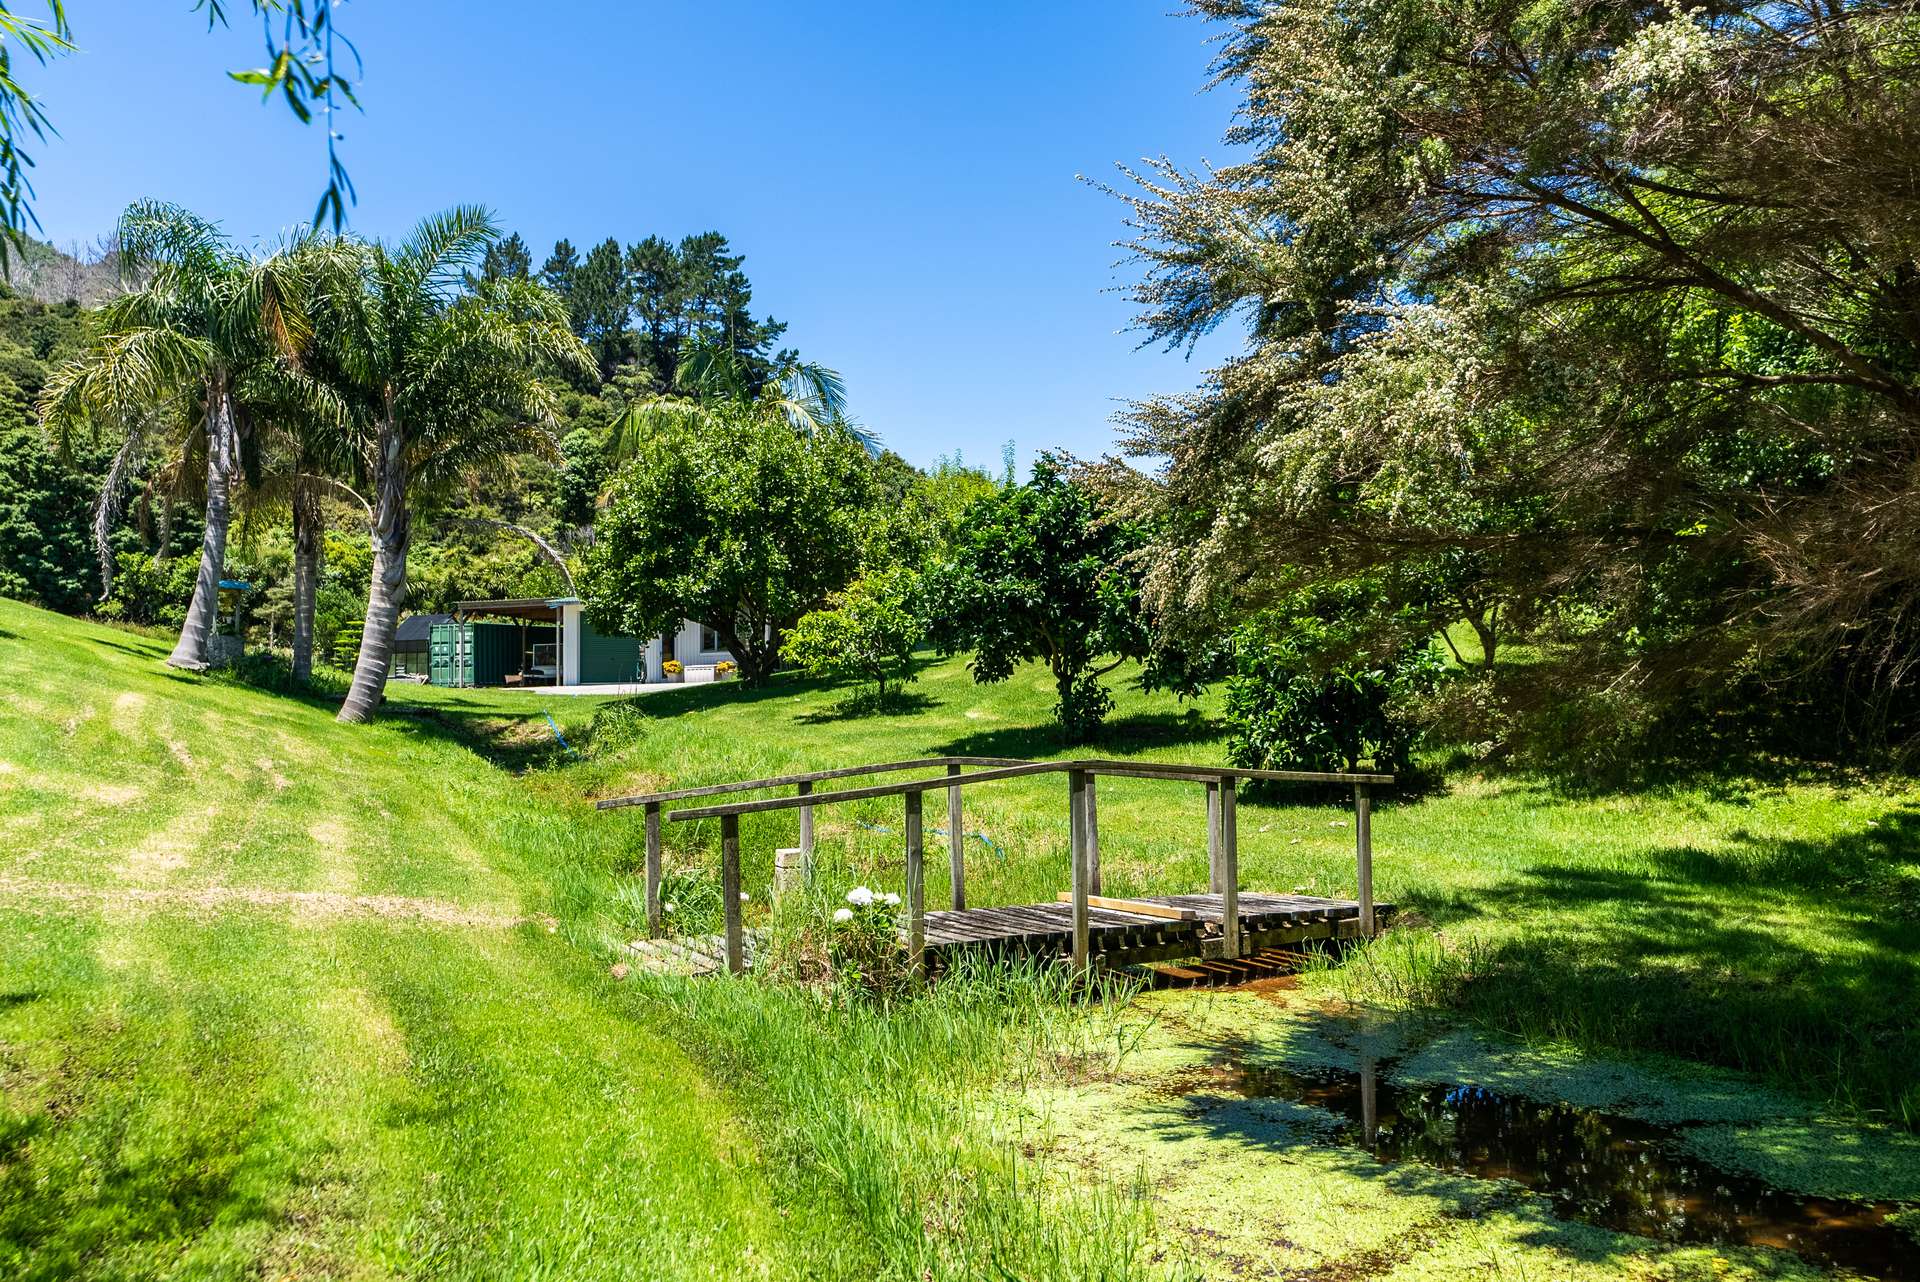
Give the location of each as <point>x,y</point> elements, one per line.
<point>736,520</point>
<point>1040,572</point>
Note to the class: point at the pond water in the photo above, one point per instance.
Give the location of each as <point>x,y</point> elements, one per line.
<point>1601,1168</point>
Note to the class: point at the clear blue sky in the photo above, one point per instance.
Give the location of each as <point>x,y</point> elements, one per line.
<point>902,178</point>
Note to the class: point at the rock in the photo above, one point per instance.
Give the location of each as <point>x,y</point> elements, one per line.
<point>620,970</point>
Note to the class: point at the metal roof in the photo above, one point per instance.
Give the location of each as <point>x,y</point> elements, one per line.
<point>417,629</point>
<point>533,607</point>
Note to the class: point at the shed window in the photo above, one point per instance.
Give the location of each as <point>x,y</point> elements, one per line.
<point>709,639</point>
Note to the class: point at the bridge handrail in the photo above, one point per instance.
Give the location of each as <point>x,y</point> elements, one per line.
<point>810,777</point>
<point>1124,769</point>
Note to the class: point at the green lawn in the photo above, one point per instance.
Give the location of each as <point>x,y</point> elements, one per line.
<point>283,998</point>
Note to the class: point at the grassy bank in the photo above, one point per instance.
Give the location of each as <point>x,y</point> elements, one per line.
<point>280,997</point>
<point>1771,926</point>
<point>284,998</point>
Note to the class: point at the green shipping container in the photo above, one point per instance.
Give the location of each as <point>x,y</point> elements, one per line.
<point>480,654</point>
<point>450,655</point>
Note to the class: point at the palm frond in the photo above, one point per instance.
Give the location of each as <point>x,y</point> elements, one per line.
<point>440,249</point>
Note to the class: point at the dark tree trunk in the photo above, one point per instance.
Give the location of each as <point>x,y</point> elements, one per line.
<point>1487,629</point>
<point>758,658</point>
<point>392,533</point>
<point>191,650</point>
<point>306,576</point>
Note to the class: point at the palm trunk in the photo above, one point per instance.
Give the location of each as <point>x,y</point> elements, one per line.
<point>392,531</point>
<point>306,577</point>
<point>191,651</point>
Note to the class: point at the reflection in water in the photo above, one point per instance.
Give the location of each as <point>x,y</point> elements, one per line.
<point>1600,1168</point>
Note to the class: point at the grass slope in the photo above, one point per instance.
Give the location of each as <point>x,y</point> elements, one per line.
<point>1768,926</point>
<point>294,1079</point>
<point>280,997</point>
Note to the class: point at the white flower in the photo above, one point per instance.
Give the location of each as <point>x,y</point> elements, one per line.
<point>860,897</point>
<point>744,896</point>
<point>668,905</point>
<point>893,900</point>
<point>843,914</point>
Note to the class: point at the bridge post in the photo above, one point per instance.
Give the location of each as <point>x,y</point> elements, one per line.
<point>916,885</point>
<point>1092,835</point>
<point>653,869</point>
<point>1213,840</point>
<point>1077,852</point>
<point>1363,852</point>
<point>804,789</point>
<point>1229,868</point>
<point>957,845</point>
<point>730,891</point>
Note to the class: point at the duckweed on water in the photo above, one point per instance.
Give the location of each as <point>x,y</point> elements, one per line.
<point>1264,1184</point>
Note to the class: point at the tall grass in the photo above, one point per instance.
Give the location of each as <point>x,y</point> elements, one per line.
<point>889,1106</point>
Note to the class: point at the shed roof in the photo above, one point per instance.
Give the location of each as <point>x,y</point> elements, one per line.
<point>417,629</point>
<point>534,607</point>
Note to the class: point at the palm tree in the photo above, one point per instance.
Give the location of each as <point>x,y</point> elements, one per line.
<point>205,316</point>
<point>713,381</point>
<point>436,381</point>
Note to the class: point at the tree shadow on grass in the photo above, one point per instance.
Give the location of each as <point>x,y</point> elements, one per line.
<point>132,1205</point>
<point>1118,735</point>
<point>1701,961</point>
<point>867,705</point>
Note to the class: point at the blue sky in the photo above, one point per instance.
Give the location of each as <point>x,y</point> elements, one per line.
<point>902,178</point>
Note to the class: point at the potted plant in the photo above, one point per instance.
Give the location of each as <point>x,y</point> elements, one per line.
<point>724,669</point>
<point>672,669</point>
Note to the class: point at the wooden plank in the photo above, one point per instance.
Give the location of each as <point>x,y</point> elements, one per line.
<point>653,869</point>
<point>1363,850</point>
<point>1213,836</point>
<point>809,777</point>
<point>804,788</point>
<point>1201,774</point>
<point>956,847</point>
<point>1077,851</point>
<point>1143,907</point>
<point>1229,868</point>
<point>916,886</point>
<point>730,891</point>
<point>862,794</point>
<point>1091,835</point>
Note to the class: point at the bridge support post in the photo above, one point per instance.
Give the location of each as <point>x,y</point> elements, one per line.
<point>1363,854</point>
<point>1091,832</point>
<point>916,885</point>
<point>1229,869</point>
<point>1214,886</point>
<point>957,846</point>
<point>805,788</point>
<point>1077,852</point>
<point>653,869</point>
<point>730,891</point>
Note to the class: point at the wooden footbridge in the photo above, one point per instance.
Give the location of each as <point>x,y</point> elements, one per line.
<point>1083,925</point>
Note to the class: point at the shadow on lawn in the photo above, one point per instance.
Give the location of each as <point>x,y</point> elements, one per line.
<point>130,1204</point>
<point>1117,735</point>
<point>1701,961</point>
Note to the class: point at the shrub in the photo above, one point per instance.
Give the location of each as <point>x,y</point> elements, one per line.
<point>864,943</point>
<point>1309,693</point>
<point>867,633</point>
